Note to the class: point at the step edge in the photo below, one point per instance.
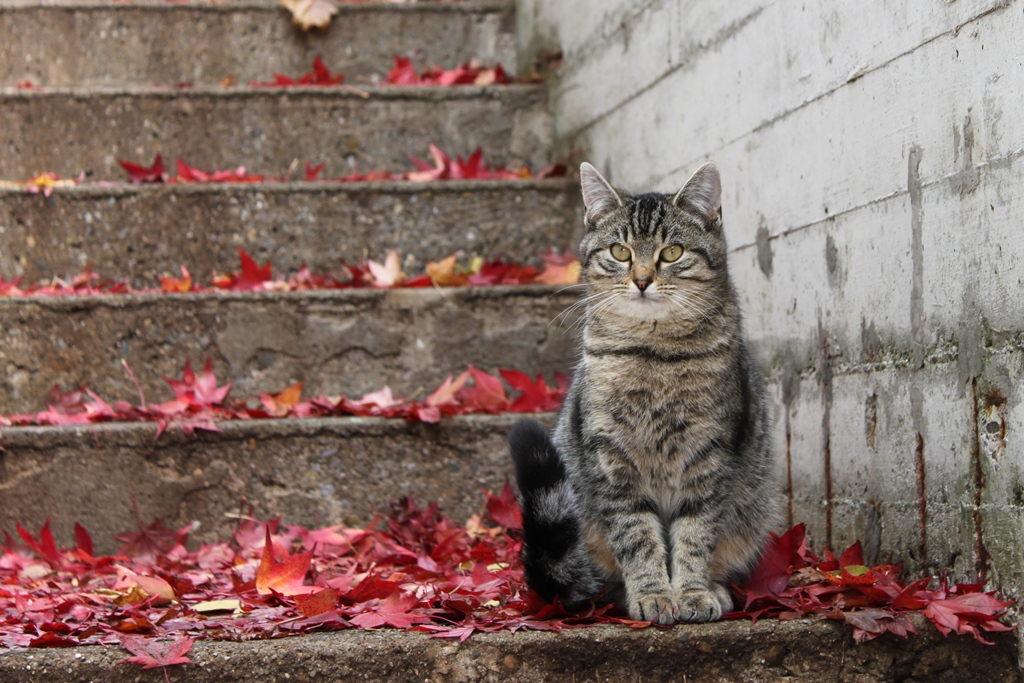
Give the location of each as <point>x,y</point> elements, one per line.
<point>414,295</point>
<point>124,189</point>
<point>461,7</point>
<point>42,437</point>
<point>422,93</point>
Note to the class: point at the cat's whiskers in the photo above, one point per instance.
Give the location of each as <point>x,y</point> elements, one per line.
<point>575,286</point>
<point>577,305</point>
<point>596,309</point>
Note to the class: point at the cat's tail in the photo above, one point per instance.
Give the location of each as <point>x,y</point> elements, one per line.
<point>554,555</point>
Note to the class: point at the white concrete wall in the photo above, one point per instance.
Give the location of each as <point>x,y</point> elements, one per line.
<point>874,204</point>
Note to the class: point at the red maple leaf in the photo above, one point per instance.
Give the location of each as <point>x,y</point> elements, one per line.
<point>771,575</point>
<point>189,174</point>
<point>143,174</point>
<point>966,612</point>
<point>252,276</point>
<point>316,603</point>
<point>504,509</point>
<point>499,272</point>
<point>282,577</point>
<point>487,395</point>
<point>313,172</point>
<point>45,546</point>
<point>150,653</point>
<point>150,541</point>
<point>83,542</point>
<point>201,391</point>
<point>536,396</point>
<point>319,75</point>
<point>394,610</point>
<point>403,73</point>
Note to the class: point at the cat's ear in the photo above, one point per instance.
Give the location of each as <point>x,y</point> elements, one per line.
<point>703,193</point>
<point>599,197</point>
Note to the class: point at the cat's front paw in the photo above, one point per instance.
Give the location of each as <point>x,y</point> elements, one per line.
<point>655,607</point>
<point>697,606</point>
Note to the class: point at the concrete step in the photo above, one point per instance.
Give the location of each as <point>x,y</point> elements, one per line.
<point>152,42</point>
<point>348,341</point>
<point>311,471</point>
<point>140,232</point>
<point>724,652</point>
<point>71,130</point>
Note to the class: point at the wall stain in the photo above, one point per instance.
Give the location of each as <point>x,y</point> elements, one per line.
<point>917,256</point>
<point>764,249</point>
<point>872,533</point>
<point>982,561</point>
<point>832,260</point>
<point>968,178</point>
<point>788,473</point>
<point>922,502</point>
<point>825,376</point>
<point>871,419</point>
<point>869,341</point>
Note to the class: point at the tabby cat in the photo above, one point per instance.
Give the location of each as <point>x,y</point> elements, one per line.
<point>658,488</point>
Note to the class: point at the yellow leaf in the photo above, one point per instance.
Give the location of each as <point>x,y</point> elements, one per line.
<point>152,586</point>
<point>443,274</point>
<point>208,606</point>
<point>290,396</point>
<point>309,13</point>
<point>560,275</point>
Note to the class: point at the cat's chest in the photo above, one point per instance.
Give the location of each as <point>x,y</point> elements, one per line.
<point>657,420</point>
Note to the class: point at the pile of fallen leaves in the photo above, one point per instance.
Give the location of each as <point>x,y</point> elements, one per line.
<point>791,582</point>
<point>414,570</point>
<point>199,403</point>
<point>559,269</point>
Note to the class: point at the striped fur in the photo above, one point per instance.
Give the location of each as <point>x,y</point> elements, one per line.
<point>658,487</point>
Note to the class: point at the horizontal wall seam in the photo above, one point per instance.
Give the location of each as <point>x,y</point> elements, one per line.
<point>855,76</point>
<point>1010,157</point>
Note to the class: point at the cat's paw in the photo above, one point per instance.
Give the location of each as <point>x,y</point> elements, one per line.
<point>697,606</point>
<point>723,595</point>
<point>659,608</point>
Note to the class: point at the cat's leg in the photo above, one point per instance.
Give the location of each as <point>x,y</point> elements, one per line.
<point>634,533</point>
<point>693,539</point>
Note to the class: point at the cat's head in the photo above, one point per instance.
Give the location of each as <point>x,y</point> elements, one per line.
<point>654,256</point>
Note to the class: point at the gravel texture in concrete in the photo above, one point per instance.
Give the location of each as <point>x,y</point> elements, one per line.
<point>347,341</point>
<point>73,130</point>
<point>313,472</point>
<point>152,42</point>
<point>725,652</point>
<point>141,232</point>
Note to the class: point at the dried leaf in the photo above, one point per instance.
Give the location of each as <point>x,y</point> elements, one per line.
<point>307,14</point>
<point>153,654</point>
<point>282,577</point>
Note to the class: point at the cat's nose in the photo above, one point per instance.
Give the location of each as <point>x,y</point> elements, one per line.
<point>642,283</point>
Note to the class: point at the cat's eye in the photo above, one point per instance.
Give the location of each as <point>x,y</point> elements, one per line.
<point>671,253</point>
<point>621,252</point>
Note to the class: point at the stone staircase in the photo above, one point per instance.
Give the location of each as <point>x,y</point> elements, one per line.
<point>110,74</point>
